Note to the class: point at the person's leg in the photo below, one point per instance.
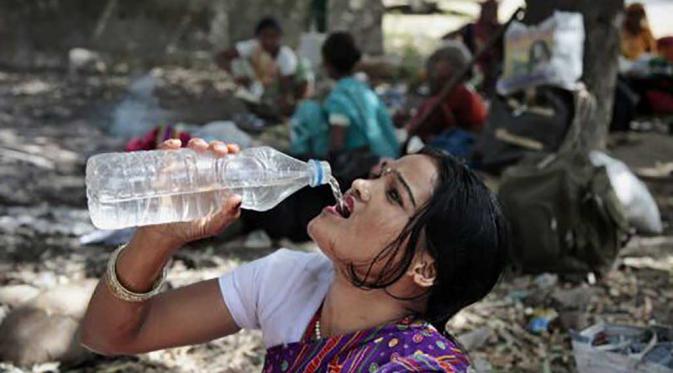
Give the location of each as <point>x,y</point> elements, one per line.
<point>624,108</point>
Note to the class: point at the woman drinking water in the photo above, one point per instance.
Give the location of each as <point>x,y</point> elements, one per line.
<point>413,245</point>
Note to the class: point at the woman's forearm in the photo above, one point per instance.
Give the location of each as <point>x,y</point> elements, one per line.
<point>120,322</point>
<point>110,322</point>
<point>140,264</point>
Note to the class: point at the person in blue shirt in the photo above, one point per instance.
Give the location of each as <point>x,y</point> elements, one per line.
<point>351,117</point>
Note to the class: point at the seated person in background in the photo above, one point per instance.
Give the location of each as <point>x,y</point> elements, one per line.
<point>263,64</point>
<point>462,108</point>
<point>636,36</point>
<point>646,78</point>
<point>659,94</point>
<point>351,117</point>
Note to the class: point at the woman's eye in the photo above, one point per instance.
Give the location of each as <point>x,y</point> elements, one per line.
<point>395,196</point>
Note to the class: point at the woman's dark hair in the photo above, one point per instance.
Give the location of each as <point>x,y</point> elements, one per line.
<point>635,18</point>
<point>463,228</point>
<point>267,23</point>
<point>341,52</point>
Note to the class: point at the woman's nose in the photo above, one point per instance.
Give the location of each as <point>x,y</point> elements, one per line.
<point>361,188</point>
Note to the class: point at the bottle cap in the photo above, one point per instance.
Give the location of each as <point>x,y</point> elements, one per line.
<point>321,172</point>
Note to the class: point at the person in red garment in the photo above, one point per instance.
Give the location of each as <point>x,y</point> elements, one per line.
<point>463,108</point>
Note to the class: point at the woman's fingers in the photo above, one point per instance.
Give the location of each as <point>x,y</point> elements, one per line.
<point>230,211</point>
<point>198,145</point>
<point>218,148</point>
<point>232,206</point>
<point>233,148</point>
<point>170,144</point>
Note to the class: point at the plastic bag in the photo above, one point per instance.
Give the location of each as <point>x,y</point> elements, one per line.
<point>550,53</point>
<point>611,348</point>
<point>226,131</point>
<point>641,209</point>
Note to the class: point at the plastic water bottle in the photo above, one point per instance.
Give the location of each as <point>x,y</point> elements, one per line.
<point>154,187</point>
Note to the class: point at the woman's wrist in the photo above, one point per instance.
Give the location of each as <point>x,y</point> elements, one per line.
<point>142,261</point>
<point>123,292</point>
<point>155,240</point>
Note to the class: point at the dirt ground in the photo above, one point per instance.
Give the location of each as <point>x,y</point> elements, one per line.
<point>51,123</point>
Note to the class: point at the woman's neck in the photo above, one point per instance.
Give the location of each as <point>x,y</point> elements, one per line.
<point>348,309</point>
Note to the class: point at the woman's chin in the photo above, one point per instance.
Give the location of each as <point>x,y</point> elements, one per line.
<point>318,231</point>
<point>319,225</point>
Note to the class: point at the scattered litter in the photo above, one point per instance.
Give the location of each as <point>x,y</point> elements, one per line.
<point>541,319</point>
<point>623,348</point>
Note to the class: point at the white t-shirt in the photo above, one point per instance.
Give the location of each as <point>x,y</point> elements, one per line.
<point>278,294</point>
<point>286,59</point>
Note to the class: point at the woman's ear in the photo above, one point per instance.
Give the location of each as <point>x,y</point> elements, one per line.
<point>423,270</point>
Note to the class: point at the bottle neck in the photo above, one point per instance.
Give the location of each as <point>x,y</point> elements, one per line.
<point>320,172</point>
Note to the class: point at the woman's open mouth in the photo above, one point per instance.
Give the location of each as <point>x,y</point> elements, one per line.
<point>343,209</point>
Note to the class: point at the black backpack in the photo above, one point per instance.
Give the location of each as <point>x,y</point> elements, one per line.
<point>523,124</point>
<point>563,211</point>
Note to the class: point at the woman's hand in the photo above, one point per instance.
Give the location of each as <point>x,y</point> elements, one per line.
<point>189,315</point>
<point>174,235</point>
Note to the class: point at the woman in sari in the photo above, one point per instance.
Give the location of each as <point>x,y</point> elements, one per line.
<point>415,243</point>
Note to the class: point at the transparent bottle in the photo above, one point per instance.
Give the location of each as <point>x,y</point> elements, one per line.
<point>154,187</point>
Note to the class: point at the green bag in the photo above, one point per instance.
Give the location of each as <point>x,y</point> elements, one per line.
<point>564,215</point>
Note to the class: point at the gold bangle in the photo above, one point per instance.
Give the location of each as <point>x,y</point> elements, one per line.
<point>119,291</point>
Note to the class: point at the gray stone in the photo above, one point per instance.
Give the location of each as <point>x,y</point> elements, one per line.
<point>82,60</point>
<point>46,327</point>
<point>15,295</point>
<point>30,336</point>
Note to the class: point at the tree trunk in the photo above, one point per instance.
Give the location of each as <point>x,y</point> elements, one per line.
<point>601,51</point>
<point>362,18</point>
